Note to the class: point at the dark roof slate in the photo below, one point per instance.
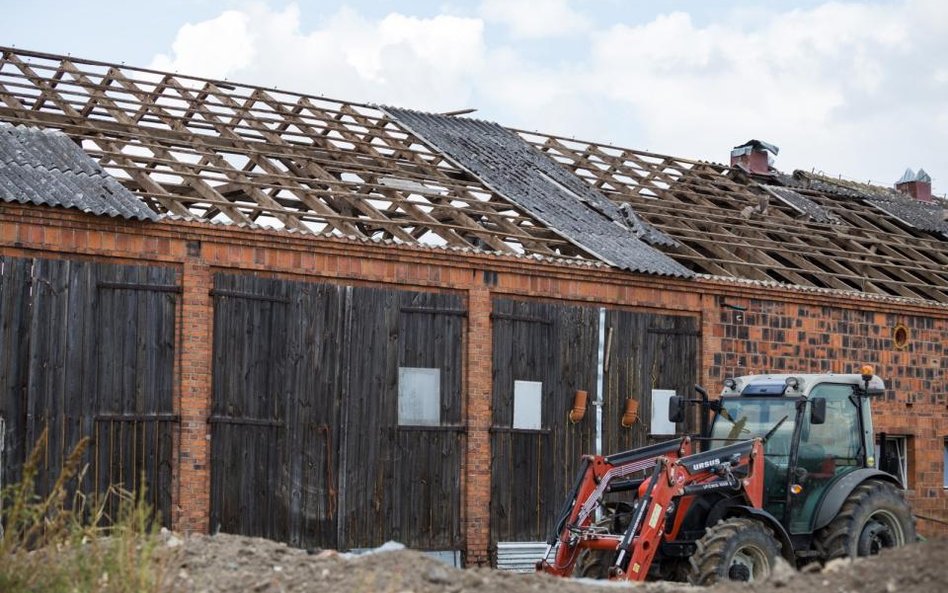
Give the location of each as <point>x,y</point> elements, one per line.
<point>916,214</point>
<point>535,182</point>
<point>45,167</point>
<point>801,203</point>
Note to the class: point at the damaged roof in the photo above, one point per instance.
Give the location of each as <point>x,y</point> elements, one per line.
<point>794,229</point>
<point>45,167</point>
<point>230,153</point>
<point>525,176</point>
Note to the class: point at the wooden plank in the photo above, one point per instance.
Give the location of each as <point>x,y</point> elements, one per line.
<point>15,322</point>
<point>531,470</point>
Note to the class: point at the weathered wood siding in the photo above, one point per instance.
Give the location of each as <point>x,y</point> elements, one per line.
<point>531,470</point>
<point>88,350</point>
<point>306,446</point>
<point>559,346</point>
<point>646,352</point>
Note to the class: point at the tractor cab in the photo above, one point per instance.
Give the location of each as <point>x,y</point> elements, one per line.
<point>816,429</point>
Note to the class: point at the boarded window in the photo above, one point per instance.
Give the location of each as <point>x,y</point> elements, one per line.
<point>528,410</point>
<point>419,396</point>
<point>660,422</point>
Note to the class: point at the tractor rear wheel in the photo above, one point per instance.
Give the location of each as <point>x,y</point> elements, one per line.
<point>736,549</point>
<point>875,516</point>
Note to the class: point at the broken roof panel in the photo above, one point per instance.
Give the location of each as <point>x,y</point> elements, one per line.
<point>801,203</point>
<point>536,183</point>
<point>726,229</point>
<point>47,168</point>
<point>231,153</point>
<point>228,153</point>
<point>920,215</point>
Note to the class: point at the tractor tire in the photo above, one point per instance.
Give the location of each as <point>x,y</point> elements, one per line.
<point>736,549</point>
<point>593,564</point>
<point>875,516</point>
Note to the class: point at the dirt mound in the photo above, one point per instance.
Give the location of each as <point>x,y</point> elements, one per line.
<point>227,563</point>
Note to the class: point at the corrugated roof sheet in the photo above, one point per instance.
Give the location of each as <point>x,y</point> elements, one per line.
<point>536,183</point>
<point>801,203</point>
<point>45,167</point>
<point>916,214</point>
<point>919,215</point>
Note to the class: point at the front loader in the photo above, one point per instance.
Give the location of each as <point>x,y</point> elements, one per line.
<point>786,467</point>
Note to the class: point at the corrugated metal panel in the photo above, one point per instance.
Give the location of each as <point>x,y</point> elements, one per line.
<point>919,215</point>
<point>801,203</point>
<point>520,556</point>
<point>537,184</point>
<point>45,167</point>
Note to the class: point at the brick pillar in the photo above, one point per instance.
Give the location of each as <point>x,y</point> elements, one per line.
<point>477,467</point>
<point>192,507</point>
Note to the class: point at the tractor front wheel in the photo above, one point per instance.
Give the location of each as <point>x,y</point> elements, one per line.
<point>594,564</point>
<point>736,549</point>
<point>874,517</point>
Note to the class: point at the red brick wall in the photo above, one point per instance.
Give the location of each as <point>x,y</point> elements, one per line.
<point>477,460</point>
<point>780,330</point>
<point>773,336</point>
<point>193,475</point>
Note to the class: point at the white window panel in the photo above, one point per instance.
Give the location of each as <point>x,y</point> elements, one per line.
<point>945,464</point>
<point>419,396</point>
<point>660,424</point>
<point>897,450</point>
<point>528,405</point>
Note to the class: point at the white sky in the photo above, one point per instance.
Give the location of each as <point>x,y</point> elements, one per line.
<point>858,89</point>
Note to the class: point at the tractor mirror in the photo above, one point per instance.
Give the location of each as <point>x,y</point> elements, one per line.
<point>676,409</point>
<point>818,410</point>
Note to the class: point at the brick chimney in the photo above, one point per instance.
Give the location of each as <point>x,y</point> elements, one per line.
<point>918,185</point>
<point>754,156</point>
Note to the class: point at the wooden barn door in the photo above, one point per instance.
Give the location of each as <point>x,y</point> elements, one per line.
<point>87,350</point>
<point>306,443</point>
<point>551,351</point>
<point>401,465</point>
<point>248,411</point>
<point>646,352</point>
<point>135,425</point>
<point>274,421</point>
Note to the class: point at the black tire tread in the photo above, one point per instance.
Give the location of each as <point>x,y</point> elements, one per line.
<point>834,540</point>
<point>712,547</point>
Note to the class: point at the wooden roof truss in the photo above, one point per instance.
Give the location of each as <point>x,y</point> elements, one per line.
<point>731,226</point>
<point>217,151</point>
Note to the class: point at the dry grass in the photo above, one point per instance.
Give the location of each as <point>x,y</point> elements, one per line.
<point>48,546</point>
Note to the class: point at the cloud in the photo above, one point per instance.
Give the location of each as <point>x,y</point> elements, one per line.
<point>529,20</point>
<point>211,48</point>
<point>424,63</point>
<point>848,88</point>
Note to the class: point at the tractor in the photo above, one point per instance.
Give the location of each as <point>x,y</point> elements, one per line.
<point>784,466</point>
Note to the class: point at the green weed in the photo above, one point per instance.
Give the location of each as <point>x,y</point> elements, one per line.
<point>48,546</point>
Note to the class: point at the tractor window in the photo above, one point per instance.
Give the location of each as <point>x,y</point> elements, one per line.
<point>837,438</point>
<point>826,451</point>
<point>747,417</point>
<point>744,418</point>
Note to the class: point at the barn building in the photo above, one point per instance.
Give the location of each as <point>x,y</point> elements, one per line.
<point>335,324</point>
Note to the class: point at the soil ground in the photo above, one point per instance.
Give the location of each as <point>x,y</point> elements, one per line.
<point>234,564</point>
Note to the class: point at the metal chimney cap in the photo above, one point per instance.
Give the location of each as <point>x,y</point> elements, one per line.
<point>911,176</point>
<point>907,177</point>
<point>752,144</point>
